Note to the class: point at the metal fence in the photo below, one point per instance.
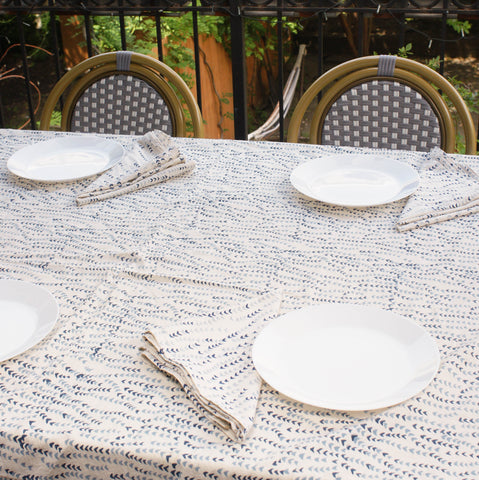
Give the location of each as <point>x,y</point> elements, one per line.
<point>316,11</point>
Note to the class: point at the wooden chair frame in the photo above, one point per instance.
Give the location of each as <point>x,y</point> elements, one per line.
<point>158,75</point>
<point>409,72</point>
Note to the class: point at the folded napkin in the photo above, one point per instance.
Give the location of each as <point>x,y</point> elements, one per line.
<point>210,356</point>
<point>152,159</point>
<point>446,190</point>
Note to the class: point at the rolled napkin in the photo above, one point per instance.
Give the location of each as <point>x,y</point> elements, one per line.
<point>446,190</point>
<point>210,356</point>
<point>153,158</point>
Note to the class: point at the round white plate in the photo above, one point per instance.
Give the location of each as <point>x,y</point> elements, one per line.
<point>65,158</point>
<point>345,357</point>
<point>355,180</point>
<point>28,312</point>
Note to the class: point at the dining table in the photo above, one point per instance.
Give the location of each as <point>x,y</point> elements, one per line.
<point>85,403</point>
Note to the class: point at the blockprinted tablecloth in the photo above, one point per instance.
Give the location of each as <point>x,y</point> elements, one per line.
<point>84,403</point>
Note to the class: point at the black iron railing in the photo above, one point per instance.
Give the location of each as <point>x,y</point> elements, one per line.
<point>317,11</point>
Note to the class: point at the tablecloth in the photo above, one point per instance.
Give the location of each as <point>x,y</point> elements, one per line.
<point>84,404</point>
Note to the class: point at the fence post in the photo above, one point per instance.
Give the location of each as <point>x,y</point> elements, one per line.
<point>280,69</point>
<point>26,72</point>
<point>196,38</point>
<point>238,62</point>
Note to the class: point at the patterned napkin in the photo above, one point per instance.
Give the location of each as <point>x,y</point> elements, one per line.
<point>211,358</point>
<point>153,158</point>
<point>446,191</point>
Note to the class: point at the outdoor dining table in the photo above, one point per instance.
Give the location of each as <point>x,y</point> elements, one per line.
<point>84,402</point>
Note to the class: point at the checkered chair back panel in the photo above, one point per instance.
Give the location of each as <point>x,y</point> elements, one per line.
<point>382,113</point>
<point>121,104</point>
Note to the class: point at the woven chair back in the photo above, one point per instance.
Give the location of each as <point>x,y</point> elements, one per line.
<point>381,114</point>
<point>121,104</point>
<point>123,93</point>
<point>383,101</point>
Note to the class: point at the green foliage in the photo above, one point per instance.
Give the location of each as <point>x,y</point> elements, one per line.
<point>434,63</point>
<point>36,30</point>
<point>405,51</point>
<point>462,27</point>
<point>470,97</point>
<point>55,120</point>
<point>139,31</point>
<point>261,35</point>
<point>105,34</point>
<point>176,31</point>
<point>141,36</point>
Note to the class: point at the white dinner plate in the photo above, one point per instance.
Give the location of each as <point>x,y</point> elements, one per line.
<point>345,357</point>
<point>28,312</point>
<point>65,158</point>
<point>355,180</point>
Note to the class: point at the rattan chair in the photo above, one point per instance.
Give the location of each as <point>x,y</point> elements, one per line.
<point>384,102</point>
<point>123,93</point>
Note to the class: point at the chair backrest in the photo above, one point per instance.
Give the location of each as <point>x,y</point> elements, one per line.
<point>384,102</point>
<point>123,93</point>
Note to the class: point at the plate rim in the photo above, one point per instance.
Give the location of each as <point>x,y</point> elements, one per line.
<point>407,189</point>
<point>362,406</point>
<point>52,141</point>
<point>46,296</point>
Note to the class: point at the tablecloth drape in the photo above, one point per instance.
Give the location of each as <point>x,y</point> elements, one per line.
<point>85,404</point>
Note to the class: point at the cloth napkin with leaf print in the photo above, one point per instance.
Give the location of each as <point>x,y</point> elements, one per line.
<point>152,159</point>
<point>447,190</point>
<point>210,356</point>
